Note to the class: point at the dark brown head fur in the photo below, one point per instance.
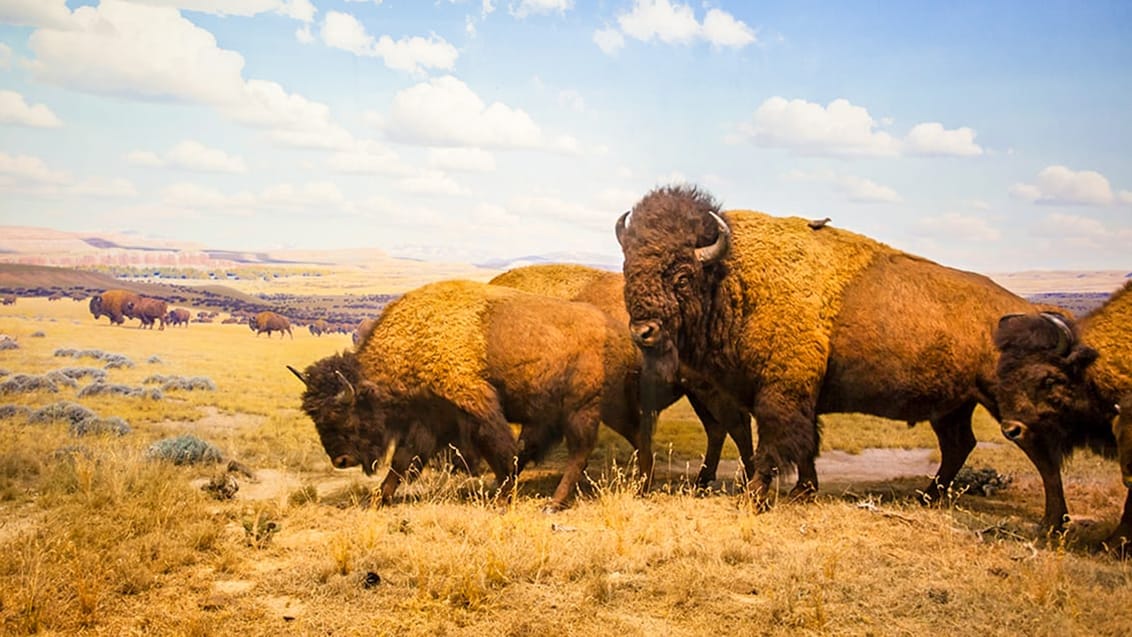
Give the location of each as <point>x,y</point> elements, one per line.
<point>342,405</point>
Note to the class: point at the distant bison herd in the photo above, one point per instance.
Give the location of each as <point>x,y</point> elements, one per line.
<point>749,316</point>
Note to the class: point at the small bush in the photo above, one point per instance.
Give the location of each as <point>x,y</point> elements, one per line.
<point>112,425</point>
<point>25,383</point>
<point>37,335</point>
<point>187,449</point>
<point>12,411</point>
<point>154,360</point>
<point>61,379</point>
<point>113,361</point>
<point>79,373</point>
<point>8,343</point>
<point>100,388</point>
<point>180,382</point>
<point>116,361</point>
<point>62,410</point>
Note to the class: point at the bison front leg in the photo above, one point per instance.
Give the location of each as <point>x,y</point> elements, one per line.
<point>956,441</point>
<point>719,421</point>
<point>1121,538</point>
<point>581,436</point>
<point>787,437</point>
<point>406,465</point>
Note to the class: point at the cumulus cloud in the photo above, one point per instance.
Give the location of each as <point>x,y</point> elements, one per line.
<point>524,8</point>
<point>444,111</point>
<point>279,198</point>
<point>14,110</point>
<point>190,155</point>
<point>35,13</point>
<point>146,52</point>
<point>431,182</point>
<point>471,160</point>
<point>413,54</point>
<point>674,23</point>
<point>954,225</point>
<point>368,158</point>
<point>30,175</point>
<point>17,169</point>
<point>1058,185</point>
<point>844,129</point>
<point>5,56</point>
<point>854,189</point>
<point>301,10</point>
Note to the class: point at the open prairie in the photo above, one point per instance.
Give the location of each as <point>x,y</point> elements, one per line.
<point>103,532</point>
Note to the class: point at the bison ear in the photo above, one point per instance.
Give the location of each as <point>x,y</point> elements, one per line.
<point>1080,358</point>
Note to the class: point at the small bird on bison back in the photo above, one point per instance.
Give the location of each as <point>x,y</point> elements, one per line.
<point>818,224</point>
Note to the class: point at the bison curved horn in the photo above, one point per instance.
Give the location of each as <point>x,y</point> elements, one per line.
<point>1064,336</point>
<point>717,250</point>
<point>620,227</point>
<point>351,395</point>
<point>298,375</point>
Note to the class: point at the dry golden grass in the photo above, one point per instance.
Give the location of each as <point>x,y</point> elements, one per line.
<point>103,541</point>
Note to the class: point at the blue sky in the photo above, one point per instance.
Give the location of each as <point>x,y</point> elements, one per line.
<point>991,136</point>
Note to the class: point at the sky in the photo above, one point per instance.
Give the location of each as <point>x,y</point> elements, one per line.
<point>989,136</point>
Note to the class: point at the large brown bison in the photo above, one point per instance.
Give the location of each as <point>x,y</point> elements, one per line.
<point>319,327</point>
<point>146,310</point>
<point>1059,383</point>
<point>178,316</point>
<point>795,322</point>
<point>269,322</point>
<point>605,290</point>
<point>112,303</point>
<point>453,363</point>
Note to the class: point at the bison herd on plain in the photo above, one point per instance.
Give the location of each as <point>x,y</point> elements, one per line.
<point>752,317</point>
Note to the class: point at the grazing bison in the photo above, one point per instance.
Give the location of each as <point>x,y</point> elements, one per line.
<point>111,303</point>
<point>606,290</point>
<point>147,311</point>
<point>178,316</point>
<point>453,363</point>
<point>1059,383</point>
<point>794,323</point>
<point>269,322</point>
<point>9,299</point>
<point>319,327</point>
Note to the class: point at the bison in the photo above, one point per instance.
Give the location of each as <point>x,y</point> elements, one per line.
<point>452,363</point>
<point>319,327</point>
<point>147,311</point>
<point>606,290</point>
<point>178,316</point>
<point>269,322</point>
<point>9,299</point>
<point>1059,383</point>
<point>111,303</point>
<point>794,323</point>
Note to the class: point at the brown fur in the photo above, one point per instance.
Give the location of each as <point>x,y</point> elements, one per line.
<point>178,316</point>
<point>319,327</point>
<point>606,291</point>
<point>147,311</point>
<point>1056,401</point>
<point>269,322</point>
<point>793,323</point>
<point>453,363</point>
<point>111,303</point>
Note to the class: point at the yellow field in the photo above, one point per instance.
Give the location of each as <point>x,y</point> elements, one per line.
<point>99,539</point>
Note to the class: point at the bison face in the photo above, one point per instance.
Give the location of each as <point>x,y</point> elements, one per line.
<point>342,406</point>
<point>96,306</point>
<point>1043,392</point>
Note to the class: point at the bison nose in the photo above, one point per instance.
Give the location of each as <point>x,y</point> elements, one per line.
<point>645,333</point>
<point>1013,430</point>
<point>343,461</point>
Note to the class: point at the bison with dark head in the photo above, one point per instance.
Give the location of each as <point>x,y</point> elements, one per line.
<point>269,322</point>
<point>112,304</point>
<point>453,363</point>
<point>178,316</point>
<point>794,323</point>
<point>147,311</point>
<point>606,290</point>
<point>1059,383</point>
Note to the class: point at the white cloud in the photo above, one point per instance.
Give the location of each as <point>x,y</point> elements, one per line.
<point>845,130</point>
<point>25,169</point>
<point>1124,196</point>
<point>30,175</point>
<point>931,138</point>
<point>572,100</point>
<point>303,34</point>
<point>524,8</point>
<point>298,9</point>
<point>190,155</point>
<point>5,56</point>
<point>35,13</point>
<point>956,226</point>
<point>674,23</point>
<point>473,160</point>
<point>431,182</point>
<point>14,110</point>
<point>609,40</point>
<point>855,189</point>
<point>444,111</point>
<point>486,214</point>
<point>315,196</point>
<point>146,52</point>
<point>412,54</point>
<point>368,158</point>
<point>1059,185</point>
<point>116,188</point>
<point>554,208</point>
<point>838,129</point>
<point>722,29</point>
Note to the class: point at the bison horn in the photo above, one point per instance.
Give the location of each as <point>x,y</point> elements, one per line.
<point>717,250</point>
<point>620,228</point>
<point>1064,336</point>
<point>298,375</point>
<point>350,393</point>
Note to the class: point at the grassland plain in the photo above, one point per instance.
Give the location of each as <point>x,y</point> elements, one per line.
<point>97,538</point>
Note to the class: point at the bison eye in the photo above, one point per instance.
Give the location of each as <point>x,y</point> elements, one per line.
<point>682,282</point>
<point>1049,382</point>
